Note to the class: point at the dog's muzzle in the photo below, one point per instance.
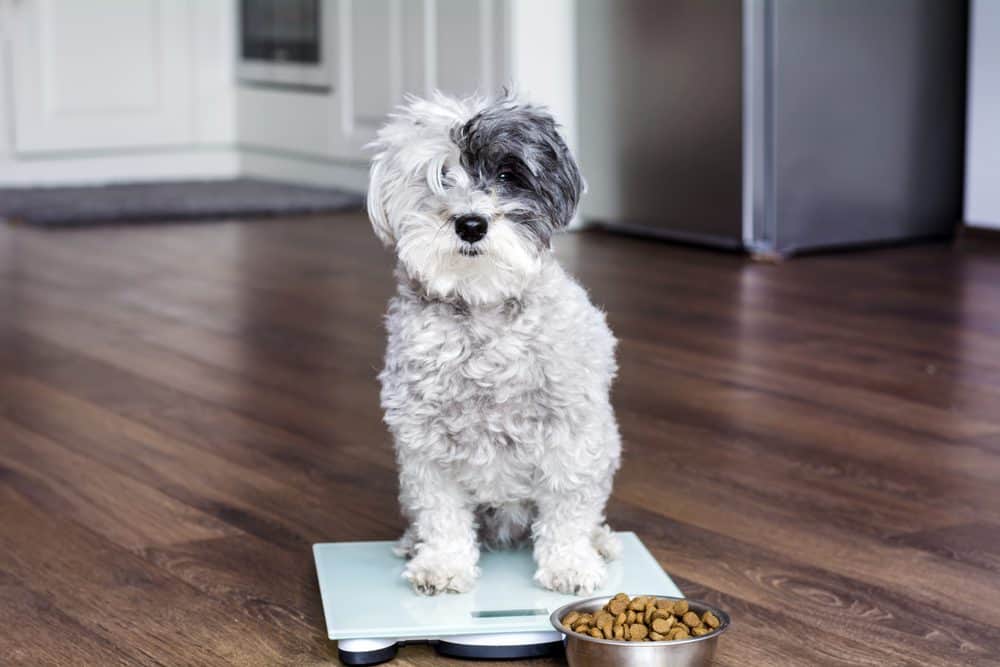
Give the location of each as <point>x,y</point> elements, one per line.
<point>471,228</point>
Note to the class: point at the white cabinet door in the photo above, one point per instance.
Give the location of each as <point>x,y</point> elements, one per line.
<point>370,54</point>
<point>101,74</point>
<point>467,46</point>
<point>386,48</point>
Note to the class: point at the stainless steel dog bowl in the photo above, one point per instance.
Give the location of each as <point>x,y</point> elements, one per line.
<point>585,651</point>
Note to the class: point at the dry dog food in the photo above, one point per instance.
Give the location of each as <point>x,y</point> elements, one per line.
<point>642,619</point>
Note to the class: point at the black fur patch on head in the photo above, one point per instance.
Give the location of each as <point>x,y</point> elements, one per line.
<point>516,151</point>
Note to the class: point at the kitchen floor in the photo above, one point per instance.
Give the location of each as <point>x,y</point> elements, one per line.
<point>813,446</point>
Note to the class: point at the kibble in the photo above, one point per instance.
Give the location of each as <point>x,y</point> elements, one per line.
<point>638,631</point>
<point>617,606</point>
<point>642,618</point>
<point>662,625</point>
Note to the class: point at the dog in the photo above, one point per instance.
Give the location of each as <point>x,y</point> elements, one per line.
<point>498,367</point>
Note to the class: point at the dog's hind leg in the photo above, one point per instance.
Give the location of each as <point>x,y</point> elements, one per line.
<point>507,525</point>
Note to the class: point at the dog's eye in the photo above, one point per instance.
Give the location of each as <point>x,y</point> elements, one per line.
<point>510,172</point>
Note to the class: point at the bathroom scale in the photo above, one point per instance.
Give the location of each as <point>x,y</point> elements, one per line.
<point>371,610</point>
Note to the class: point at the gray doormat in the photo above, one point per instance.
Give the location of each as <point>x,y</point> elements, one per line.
<point>179,200</point>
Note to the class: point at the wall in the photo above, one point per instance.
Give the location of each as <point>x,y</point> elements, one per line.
<point>982,184</point>
<point>6,138</point>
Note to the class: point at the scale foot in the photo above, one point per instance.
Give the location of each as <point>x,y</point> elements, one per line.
<point>510,646</point>
<point>366,651</point>
<point>498,652</point>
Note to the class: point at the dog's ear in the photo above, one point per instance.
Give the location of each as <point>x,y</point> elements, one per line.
<point>569,183</point>
<point>376,201</point>
<point>561,183</point>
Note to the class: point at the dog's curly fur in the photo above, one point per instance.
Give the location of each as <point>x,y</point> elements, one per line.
<point>498,367</point>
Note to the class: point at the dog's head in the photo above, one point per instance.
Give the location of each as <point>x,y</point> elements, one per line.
<point>469,193</point>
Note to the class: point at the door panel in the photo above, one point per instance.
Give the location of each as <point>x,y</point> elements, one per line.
<point>661,114</point>
<point>869,107</point>
<point>463,50</point>
<point>111,74</point>
<point>375,59</point>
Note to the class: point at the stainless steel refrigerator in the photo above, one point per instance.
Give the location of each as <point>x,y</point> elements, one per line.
<point>776,126</point>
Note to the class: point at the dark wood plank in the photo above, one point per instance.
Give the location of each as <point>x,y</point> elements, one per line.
<point>969,543</point>
<point>35,632</point>
<point>69,485</point>
<point>146,613</point>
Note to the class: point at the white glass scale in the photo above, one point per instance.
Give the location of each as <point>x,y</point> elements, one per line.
<point>370,609</point>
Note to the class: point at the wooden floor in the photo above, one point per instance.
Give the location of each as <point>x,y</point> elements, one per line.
<point>814,446</point>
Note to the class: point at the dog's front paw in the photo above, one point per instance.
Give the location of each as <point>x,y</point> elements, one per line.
<point>578,573</point>
<point>433,572</point>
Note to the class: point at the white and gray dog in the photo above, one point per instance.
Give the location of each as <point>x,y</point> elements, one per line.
<point>498,367</point>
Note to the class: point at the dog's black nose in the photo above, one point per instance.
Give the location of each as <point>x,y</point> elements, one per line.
<point>471,228</point>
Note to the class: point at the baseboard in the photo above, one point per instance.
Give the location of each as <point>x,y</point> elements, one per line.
<point>295,168</point>
<point>208,164</point>
<point>125,167</point>
<point>672,236</point>
<point>974,231</point>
